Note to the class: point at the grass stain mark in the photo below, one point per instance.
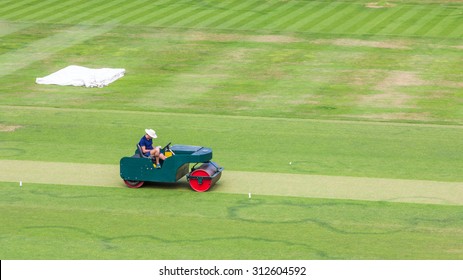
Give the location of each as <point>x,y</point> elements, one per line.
<point>108,242</point>
<point>290,213</point>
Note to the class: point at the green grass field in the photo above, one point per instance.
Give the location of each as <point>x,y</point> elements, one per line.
<point>75,222</point>
<point>342,89</point>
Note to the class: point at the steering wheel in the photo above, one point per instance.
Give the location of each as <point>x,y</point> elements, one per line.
<point>167,146</point>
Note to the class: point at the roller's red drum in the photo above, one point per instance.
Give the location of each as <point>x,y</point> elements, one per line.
<point>204,177</point>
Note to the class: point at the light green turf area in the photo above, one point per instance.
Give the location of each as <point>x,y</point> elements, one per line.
<point>339,88</point>
<point>424,152</point>
<point>78,222</point>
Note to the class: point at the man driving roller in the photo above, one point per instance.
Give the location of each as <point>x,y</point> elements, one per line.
<point>146,145</point>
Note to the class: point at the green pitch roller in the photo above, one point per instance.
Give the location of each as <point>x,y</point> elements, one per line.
<point>138,169</point>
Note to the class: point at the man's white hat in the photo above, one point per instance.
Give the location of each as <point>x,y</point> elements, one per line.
<point>151,133</point>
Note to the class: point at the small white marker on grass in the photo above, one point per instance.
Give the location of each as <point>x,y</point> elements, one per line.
<point>20,183</point>
<point>249,195</point>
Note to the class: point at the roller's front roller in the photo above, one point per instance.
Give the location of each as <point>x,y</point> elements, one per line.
<point>204,177</point>
<point>133,184</point>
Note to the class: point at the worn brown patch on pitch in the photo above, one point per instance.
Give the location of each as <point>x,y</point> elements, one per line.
<point>390,93</point>
<point>390,44</point>
<point>201,36</point>
<point>9,128</point>
<point>379,5</point>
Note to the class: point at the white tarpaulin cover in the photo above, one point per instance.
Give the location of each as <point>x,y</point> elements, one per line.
<point>82,76</point>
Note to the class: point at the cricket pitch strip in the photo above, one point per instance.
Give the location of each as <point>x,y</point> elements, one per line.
<point>239,182</point>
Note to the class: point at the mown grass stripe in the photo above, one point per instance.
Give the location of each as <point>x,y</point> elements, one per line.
<point>207,22</point>
<point>157,21</point>
<point>446,26</point>
<point>330,18</point>
<point>259,13</point>
<point>271,16</point>
<point>381,20</point>
<point>309,15</point>
<point>398,17</point>
<point>420,17</point>
<point>172,14</point>
<point>7,7</point>
<point>96,11</point>
<point>183,19</point>
<point>349,22</point>
<point>312,9</point>
<point>442,17</point>
<point>395,27</point>
<point>39,16</point>
<point>457,30</point>
<point>250,10</point>
<point>116,7</point>
<point>290,19</point>
<point>221,18</point>
<point>335,22</point>
<point>248,22</point>
<point>20,13</point>
<point>202,16</point>
<point>9,2</point>
<point>361,27</point>
<point>403,19</point>
<point>388,16</point>
<point>274,17</point>
<point>75,10</point>
<point>142,14</point>
<point>46,47</point>
<point>179,14</point>
<point>120,13</point>
<point>158,12</point>
<point>433,21</point>
<point>78,17</point>
<point>199,19</point>
<point>318,17</point>
<point>285,15</point>
<point>5,3</point>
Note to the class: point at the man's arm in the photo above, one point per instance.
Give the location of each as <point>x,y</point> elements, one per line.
<point>144,149</point>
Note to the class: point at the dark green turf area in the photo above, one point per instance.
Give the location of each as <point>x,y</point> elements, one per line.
<point>75,222</point>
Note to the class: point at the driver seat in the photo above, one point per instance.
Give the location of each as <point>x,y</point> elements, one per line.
<point>140,152</point>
